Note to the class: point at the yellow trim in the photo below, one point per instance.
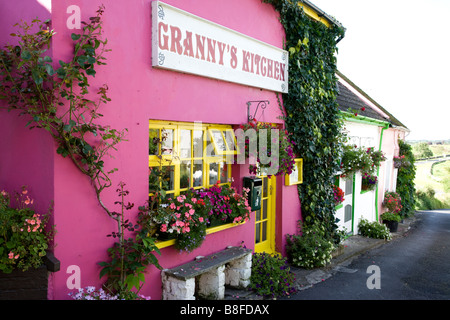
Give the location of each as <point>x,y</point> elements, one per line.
<point>171,242</point>
<point>175,160</point>
<point>313,14</point>
<point>268,245</point>
<point>287,178</point>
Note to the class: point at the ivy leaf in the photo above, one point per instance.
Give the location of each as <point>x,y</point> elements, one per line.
<point>75,36</point>
<point>25,55</point>
<point>49,69</point>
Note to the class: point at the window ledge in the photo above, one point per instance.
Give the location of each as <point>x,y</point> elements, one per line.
<point>171,242</point>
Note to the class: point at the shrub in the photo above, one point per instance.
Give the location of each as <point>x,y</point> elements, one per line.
<point>271,275</point>
<point>374,230</point>
<point>426,200</point>
<point>311,249</point>
<point>24,239</point>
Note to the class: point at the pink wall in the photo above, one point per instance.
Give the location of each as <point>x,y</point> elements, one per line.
<point>26,156</point>
<point>138,93</point>
<point>390,148</point>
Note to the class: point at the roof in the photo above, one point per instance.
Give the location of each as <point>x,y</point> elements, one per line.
<point>351,97</point>
<point>321,13</point>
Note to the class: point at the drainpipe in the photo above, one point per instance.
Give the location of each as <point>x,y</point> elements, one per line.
<point>378,171</point>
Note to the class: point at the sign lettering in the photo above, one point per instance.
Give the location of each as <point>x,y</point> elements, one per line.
<point>186,43</point>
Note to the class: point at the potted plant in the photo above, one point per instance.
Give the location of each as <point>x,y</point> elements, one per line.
<point>369,182</point>
<point>24,242</point>
<point>338,195</point>
<point>391,220</point>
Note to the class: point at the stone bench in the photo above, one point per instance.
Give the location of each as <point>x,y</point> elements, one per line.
<point>207,276</point>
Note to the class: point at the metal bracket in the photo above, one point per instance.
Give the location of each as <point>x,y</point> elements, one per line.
<point>260,103</point>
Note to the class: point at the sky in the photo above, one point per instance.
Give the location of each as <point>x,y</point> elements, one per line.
<point>398,52</point>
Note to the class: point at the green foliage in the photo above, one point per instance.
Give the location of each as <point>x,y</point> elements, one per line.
<point>24,238</point>
<point>426,200</point>
<point>271,276</point>
<point>58,98</point>
<point>129,257</point>
<point>374,230</point>
<point>422,150</point>
<point>390,216</point>
<point>311,113</point>
<point>364,160</point>
<point>311,249</point>
<point>405,180</point>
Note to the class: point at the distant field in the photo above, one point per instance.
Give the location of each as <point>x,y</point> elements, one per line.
<point>439,150</point>
<point>439,181</point>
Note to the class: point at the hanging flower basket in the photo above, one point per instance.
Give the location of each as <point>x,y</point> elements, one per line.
<point>266,136</point>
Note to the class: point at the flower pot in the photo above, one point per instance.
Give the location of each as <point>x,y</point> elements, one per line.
<point>31,284</point>
<point>392,225</point>
<point>24,285</point>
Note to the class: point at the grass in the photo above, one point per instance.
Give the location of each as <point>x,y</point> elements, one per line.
<point>433,190</point>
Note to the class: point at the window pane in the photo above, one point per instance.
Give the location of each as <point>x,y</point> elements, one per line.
<point>223,172</point>
<point>167,141</point>
<point>265,180</point>
<point>349,186</point>
<point>264,231</point>
<point>185,174</point>
<point>229,137</point>
<point>198,144</point>
<point>347,213</point>
<point>213,173</point>
<point>153,141</point>
<point>219,140</point>
<point>185,143</point>
<point>168,178</point>
<point>264,205</point>
<point>257,233</point>
<point>198,173</point>
<point>258,215</point>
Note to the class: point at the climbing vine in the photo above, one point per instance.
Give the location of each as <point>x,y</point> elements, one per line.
<point>405,180</point>
<point>311,112</point>
<point>58,98</point>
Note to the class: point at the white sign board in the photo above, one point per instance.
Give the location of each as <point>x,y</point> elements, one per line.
<point>186,43</point>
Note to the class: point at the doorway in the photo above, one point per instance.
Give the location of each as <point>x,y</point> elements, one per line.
<point>265,217</point>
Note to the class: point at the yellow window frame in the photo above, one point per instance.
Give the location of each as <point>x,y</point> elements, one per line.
<point>296,177</point>
<point>175,160</point>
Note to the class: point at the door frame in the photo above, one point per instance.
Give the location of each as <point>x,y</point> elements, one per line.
<point>267,245</point>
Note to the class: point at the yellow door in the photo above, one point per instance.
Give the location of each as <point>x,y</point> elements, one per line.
<point>265,217</point>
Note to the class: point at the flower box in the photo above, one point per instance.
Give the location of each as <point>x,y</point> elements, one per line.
<point>31,284</point>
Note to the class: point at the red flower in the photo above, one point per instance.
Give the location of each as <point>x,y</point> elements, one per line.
<point>363,109</point>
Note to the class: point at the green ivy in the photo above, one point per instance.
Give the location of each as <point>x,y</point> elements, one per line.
<point>311,112</point>
<point>405,180</point>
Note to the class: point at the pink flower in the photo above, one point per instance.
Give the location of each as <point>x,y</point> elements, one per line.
<point>191,212</point>
<point>172,206</point>
<point>12,256</point>
<point>200,219</point>
<point>180,199</point>
<point>163,228</point>
<point>194,200</point>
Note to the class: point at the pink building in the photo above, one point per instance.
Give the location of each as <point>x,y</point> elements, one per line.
<point>143,95</point>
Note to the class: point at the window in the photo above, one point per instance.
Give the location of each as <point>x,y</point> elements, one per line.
<point>189,155</point>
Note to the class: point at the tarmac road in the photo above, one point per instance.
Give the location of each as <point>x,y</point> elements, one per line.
<point>413,267</point>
